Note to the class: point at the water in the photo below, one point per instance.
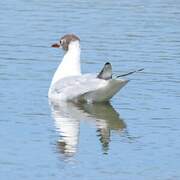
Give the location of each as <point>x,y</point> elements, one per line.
<point>136,137</point>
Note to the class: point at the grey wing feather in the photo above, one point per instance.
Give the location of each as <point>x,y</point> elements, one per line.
<point>77,85</point>
<point>106,72</point>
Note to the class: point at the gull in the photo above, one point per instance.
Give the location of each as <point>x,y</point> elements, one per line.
<point>69,84</point>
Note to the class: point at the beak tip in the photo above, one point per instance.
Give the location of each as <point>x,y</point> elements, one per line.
<point>56,45</point>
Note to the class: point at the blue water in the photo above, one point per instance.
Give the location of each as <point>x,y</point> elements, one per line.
<point>136,137</point>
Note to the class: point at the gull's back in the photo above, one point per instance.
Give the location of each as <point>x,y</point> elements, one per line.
<point>85,88</point>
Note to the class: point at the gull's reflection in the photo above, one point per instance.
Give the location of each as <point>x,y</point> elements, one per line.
<point>67,118</point>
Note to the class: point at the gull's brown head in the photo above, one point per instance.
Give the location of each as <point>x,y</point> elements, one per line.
<point>65,41</point>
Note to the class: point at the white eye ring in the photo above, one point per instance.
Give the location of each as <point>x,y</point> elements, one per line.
<point>62,41</point>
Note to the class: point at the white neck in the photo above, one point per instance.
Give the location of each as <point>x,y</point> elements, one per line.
<point>70,65</point>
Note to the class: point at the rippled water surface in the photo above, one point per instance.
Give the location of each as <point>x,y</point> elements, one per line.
<point>136,136</point>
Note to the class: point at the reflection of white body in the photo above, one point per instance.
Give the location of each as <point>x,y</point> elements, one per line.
<point>68,128</point>
<point>67,118</point>
<point>68,84</point>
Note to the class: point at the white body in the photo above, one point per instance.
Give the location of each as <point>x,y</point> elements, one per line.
<point>70,65</point>
<point>68,84</point>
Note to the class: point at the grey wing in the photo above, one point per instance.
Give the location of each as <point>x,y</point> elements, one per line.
<point>105,93</point>
<point>78,85</point>
<point>106,72</point>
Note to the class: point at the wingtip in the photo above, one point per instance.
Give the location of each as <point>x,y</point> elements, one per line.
<point>107,63</point>
<point>106,72</point>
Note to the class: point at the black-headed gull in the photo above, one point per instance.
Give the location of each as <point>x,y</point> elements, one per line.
<point>69,84</point>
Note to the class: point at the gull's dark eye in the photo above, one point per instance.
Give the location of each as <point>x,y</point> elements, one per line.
<point>61,41</point>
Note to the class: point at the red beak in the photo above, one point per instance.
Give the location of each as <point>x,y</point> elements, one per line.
<point>56,45</point>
